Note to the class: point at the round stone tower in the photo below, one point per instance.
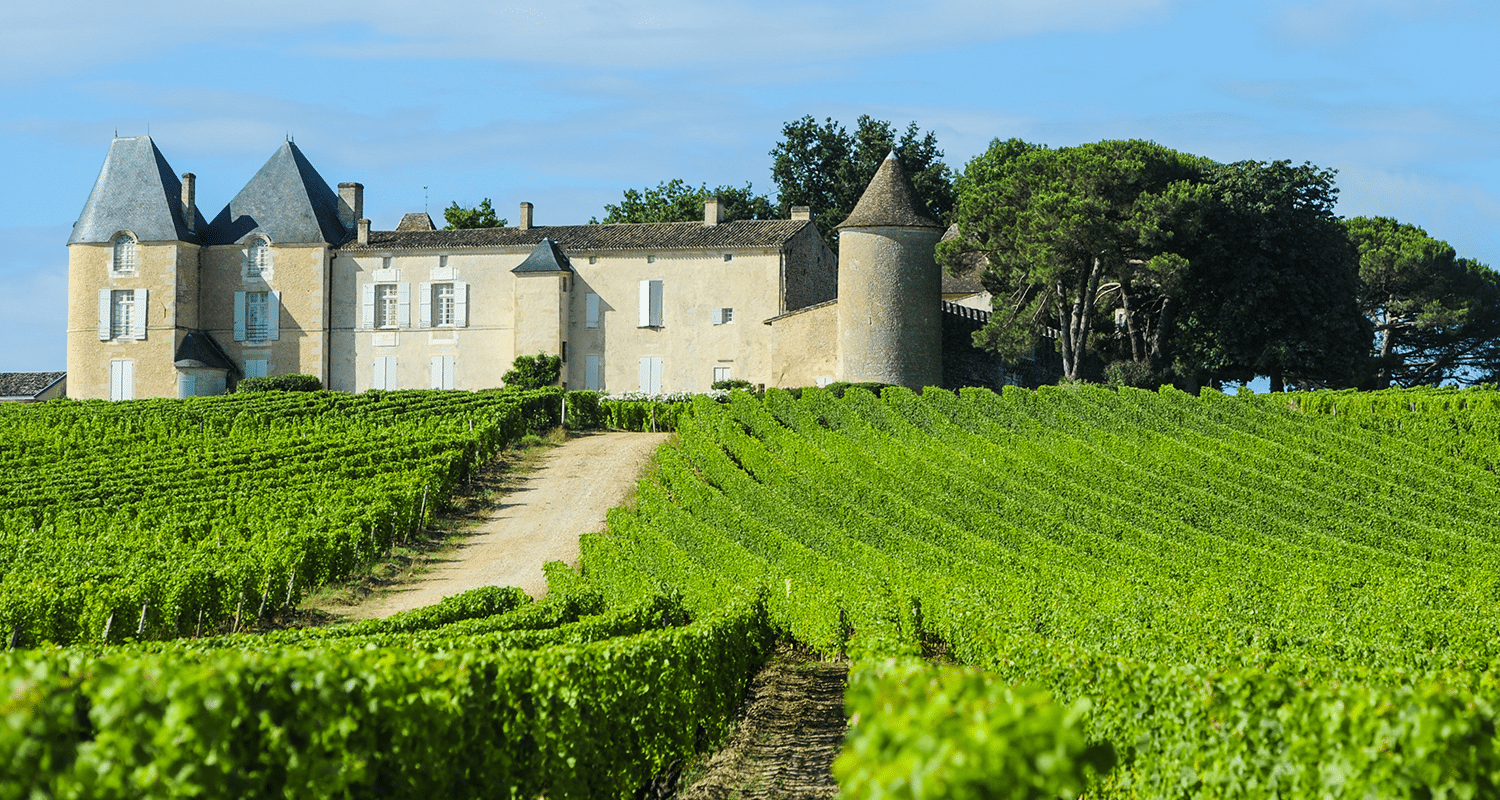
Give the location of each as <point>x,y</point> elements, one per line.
<point>890,289</point>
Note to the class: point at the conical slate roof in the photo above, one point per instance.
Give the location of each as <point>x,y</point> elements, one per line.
<point>287,201</point>
<point>547,257</point>
<point>136,191</point>
<point>890,201</point>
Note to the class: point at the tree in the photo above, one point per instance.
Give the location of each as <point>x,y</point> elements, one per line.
<point>1436,316</point>
<point>1056,229</point>
<point>481,217</point>
<point>1273,285</point>
<point>675,201</point>
<point>824,167</point>
<point>533,372</point>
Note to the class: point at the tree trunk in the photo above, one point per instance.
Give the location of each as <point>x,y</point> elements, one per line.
<point>1131,330</point>
<point>1157,353</point>
<point>1278,383</point>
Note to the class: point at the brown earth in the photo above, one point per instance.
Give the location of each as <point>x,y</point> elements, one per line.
<point>786,737</point>
<point>543,512</point>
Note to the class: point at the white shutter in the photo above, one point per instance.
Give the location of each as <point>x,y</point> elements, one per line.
<point>369,302</point>
<point>186,386</point>
<point>424,306</point>
<point>239,316</point>
<point>651,370</point>
<point>104,315</point>
<point>645,375</point>
<point>437,373</point>
<point>591,372</point>
<point>403,305</point>
<point>645,305</point>
<point>717,316</point>
<point>591,310</point>
<point>116,374</point>
<point>656,304</point>
<point>273,315</point>
<point>460,305</point>
<point>139,323</point>
<point>656,370</point>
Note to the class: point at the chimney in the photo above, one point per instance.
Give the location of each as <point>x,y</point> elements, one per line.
<point>713,211</point>
<point>189,200</point>
<point>351,203</point>
<point>525,223</point>
<point>801,212</point>
<point>363,237</point>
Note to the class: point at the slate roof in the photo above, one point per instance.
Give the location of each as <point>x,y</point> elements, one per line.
<point>200,350</point>
<point>769,234</point>
<point>28,384</point>
<point>287,201</point>
<point>416,221</point>
<point>136,191</point>
<point>890,201</point>
<point>547,257</point>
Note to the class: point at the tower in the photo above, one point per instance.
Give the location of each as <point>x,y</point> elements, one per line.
<point>890,288</point>
<point>132,276</point>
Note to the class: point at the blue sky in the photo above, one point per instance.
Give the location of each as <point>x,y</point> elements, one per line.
<point>566,105</point>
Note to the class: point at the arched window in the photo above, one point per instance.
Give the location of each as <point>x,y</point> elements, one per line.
<point>125,253</point>
<point>258,259</point>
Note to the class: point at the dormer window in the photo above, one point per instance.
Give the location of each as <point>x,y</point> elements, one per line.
<point>125,253</point>
<point>258,259</point>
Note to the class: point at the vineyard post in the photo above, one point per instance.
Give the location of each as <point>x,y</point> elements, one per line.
<point>107,625</point>
<point>198,631</point>
<point>140,627</point>
<point>289,584</point>
<point>15,633</point>
<point>235,628</point>
<point>563,421</point>
<point>262,611</point>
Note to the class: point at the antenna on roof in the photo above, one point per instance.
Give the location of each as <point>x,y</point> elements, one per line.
<point>289,137</point>
<point>425,209</point>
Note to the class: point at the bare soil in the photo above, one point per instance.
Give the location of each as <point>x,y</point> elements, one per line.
<point>785,739</point>
<point>540,510</point>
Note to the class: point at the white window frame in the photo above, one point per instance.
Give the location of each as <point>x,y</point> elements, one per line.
<point>651,303</point>
<point>591,310</point>
<point>258,259</point>
<point>721,316</point>
<point>593,372</point>
<point>722,373</point>
<point>387,306</point>
<point>442,372</point>
<point>122,314</point>
<point>125,255</point>
<point>243,331</point>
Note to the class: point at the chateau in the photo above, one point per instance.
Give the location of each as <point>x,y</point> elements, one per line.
<point>290,278</point>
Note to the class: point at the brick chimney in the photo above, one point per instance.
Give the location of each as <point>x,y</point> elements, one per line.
<point>190,200</point>
<point>525,223</point>
<point>351,204</point>
<point>713,211</point>
<point>801,212</point>
<point>363,236</point>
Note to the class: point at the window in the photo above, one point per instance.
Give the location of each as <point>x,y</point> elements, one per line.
<point>388,305</point>
<point>442,372</point>
<point>593,259</point>
<point>650,304</point>
<point>122,314</point>
<point>650,259</point>
<point>729,256</point>
<point>384,373</point>
<point>121,323</point>
<point>651,369</point>
<point>122,379</point>
<point>442,305</point>
<point>258,259</point>
<point>591,310</point>
<point>257,368</point>
<point>593,372</point>
<point>721,374</point>
<point>257,316</point>
<point>722,316</point>
<point>125,254</point>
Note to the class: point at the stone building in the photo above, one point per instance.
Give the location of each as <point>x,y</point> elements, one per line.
<point>289,277</point>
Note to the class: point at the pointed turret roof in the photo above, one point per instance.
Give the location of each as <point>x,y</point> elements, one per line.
<point>890,201</point>
<point>287,201</point>
<point>547,257</point>
<point>136,191</point>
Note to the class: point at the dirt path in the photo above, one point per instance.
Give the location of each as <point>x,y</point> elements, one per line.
<point>539,520</point>
<point>789,732</point>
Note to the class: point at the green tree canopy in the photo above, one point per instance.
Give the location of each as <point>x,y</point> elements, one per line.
<point>1436,316</point>
<point>533,372</point>
<point>482,216</point>
<point>675,201</point>
<point>824,167</point>
<point>1273,285</point>
<point>1054,230</point>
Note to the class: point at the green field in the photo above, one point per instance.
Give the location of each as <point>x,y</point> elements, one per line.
<point>1043,593</point>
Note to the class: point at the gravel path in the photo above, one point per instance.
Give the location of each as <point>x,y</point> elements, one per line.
<point>539,520</point>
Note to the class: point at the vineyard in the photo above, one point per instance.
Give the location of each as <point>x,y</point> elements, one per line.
<point>1042,593</point>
